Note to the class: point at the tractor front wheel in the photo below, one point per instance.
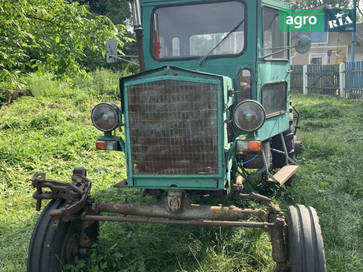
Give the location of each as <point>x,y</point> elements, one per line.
<point>53,246</point>
<point>305,242</point>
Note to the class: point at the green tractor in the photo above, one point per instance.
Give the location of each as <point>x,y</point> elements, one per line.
<point>211,102</point>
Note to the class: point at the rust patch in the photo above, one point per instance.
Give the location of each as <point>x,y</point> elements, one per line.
<point>173,127</point>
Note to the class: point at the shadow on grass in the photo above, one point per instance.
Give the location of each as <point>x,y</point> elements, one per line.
<point>131,247</point>
<point>155,247</point>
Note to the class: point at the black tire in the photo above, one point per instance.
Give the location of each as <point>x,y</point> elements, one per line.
<point>53,246</point>
<point>305,242</point>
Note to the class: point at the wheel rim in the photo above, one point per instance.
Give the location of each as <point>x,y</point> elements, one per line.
<point>71,245</point>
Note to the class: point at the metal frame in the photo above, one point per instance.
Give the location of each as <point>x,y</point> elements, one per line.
<point>198,2</point>
<point>177,209</point>
<point>268,56</point>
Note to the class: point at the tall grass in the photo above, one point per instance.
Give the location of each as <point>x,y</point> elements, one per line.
<point>52,133</point>
<point>330,176</point>
<point>99,82</point>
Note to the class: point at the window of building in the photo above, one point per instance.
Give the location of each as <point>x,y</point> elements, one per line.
<point>319,37</point>
<point>318,58</point>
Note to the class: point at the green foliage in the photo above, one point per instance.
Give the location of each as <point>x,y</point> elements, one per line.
<point>154,248</point>
<point>54,36</point>
<point>321,111</point>
<point>3,93</point>
<point>117,10</point>
<point>319,3</point>
<point>101,82</point>
<point>52,133</point>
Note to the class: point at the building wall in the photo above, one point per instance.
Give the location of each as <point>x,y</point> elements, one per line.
<point>335,51</point>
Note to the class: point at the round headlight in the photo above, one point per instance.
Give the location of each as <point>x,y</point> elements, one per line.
<point>249,115</point>
<point>105,116</point>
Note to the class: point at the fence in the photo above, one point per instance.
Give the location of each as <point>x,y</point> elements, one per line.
<point>354,80</point>
<point>344,80</point>
<point>323,79</point>
<point>296,78</point>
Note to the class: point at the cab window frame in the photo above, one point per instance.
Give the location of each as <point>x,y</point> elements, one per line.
<point>245,32</point>
<point>285,98</point>
<point>287,44</point>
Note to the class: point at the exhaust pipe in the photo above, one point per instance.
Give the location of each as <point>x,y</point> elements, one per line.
<point>136,14</point>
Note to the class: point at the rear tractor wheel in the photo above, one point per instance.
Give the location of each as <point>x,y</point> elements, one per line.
<point>305,242</point>
<point>52,246</point>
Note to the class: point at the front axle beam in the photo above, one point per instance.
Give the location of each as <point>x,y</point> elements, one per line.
<point>186,211</point>
<point>175,209</point>
<point>215,223</point>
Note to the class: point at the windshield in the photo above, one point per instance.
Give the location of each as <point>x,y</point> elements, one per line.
<point>192,31</point>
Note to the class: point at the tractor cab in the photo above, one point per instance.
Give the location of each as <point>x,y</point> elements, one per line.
<point>213,93</point>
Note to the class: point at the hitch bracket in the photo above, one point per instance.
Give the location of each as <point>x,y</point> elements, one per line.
<point>75,194</point>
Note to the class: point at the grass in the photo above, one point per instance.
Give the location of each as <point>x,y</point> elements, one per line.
<point>330,177</point>
<point>52,133</point>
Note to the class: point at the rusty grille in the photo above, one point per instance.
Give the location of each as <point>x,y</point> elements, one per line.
<point>173,127</point>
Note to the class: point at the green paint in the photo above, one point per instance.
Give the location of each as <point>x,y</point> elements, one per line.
<point>302,20</point>
<point>192,183</point>
<point>223,71</point>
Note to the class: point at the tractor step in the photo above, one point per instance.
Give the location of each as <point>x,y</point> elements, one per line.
<point>285,173</point>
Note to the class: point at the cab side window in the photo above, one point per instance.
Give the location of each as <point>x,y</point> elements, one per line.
<point>273,38</point>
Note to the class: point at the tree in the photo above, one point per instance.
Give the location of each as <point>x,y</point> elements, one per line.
<point>117,10</point>
<point>53,35</point>
<point>319,3</point>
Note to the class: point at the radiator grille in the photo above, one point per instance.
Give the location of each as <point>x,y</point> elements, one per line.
<point>173,127</point>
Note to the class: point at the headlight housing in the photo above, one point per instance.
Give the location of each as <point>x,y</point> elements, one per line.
<point>249,115</point>
<point>105,116</point>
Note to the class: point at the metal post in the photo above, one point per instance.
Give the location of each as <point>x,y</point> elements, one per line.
<point>305,79</point>
<point>285,149</point>
<point>136,11</point>
<point>342,79</point>
<point>353,33</point>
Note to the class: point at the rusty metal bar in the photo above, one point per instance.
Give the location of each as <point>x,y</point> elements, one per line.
<point>285,148</point>
<point>186,212</point>
<point>254,196</point>
<point>75,194</point>
<point>283,153</point>
<point>279,253</point>
<point>263,225</point>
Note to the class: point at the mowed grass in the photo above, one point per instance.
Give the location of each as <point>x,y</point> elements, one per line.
<point>52,133</point>
<point>331,175</point>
